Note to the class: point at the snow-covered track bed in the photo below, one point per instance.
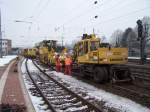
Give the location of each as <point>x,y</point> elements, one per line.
<point>136,90</point>
<point>59,97</point>
<point>141,74</point>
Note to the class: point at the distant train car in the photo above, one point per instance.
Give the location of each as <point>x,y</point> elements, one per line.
<point>47,51</point>
<point>29,53</point>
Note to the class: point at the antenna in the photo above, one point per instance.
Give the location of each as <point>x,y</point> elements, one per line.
<point>93,31</point>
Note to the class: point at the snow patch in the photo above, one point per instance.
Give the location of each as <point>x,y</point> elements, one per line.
<point>6,59</point>
<point>111,100</point>
<point>37,102</point>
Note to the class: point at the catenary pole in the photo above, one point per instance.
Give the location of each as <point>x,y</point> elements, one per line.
<point>1,55</point>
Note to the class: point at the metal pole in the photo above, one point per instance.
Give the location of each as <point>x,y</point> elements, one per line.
<point>141,37</point>
<point>1,55</point>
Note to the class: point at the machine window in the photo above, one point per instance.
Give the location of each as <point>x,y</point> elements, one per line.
<point>94,45</point>
<point>86,47</point>
<point>107,45</point>
<point>81,49</point>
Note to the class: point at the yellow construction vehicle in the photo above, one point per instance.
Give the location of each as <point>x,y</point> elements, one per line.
<point>100,60</point>
<point>47,52</point>
<point>30,53</point>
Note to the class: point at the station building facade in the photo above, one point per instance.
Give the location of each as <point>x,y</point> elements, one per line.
<point>6,46</point>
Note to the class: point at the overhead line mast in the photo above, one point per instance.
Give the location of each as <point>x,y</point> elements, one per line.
<point>1,55</point>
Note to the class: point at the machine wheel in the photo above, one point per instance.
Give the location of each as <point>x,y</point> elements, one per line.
<point>106,78</point>
<point>82,72</point>
<point>99,75</point>
<point>113,81</point>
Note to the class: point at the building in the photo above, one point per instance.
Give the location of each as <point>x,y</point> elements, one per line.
<point>6,46</point>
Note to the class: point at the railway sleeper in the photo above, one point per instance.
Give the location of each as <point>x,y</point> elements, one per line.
<point>83,109</point>
<point>77,109</point>
<point>53,98</point>
<point>66,105</point>
<point>63,101</point>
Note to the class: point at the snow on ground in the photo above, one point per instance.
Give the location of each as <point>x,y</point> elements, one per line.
<point>36,101</point>
<point>136,58</point>
<point>123,104</point>
<point>6,59</point>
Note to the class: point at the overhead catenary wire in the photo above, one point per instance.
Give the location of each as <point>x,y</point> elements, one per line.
<point>81,14</point>
<point>34,18</point>
<point>89,10</point>
<point>35,9</point>
<point>114,6</point>
<point>118,17</point>
<point>127,14</point>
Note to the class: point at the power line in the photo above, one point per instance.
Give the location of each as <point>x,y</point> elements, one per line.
<point>35,9</point>
<point>127,14</point>
<point>115,18</point>
<point>118,5</point>
<point>76,8</point>
<point>114,6</point>
<point>81,14</point>
<point>43,8</point>
<point>72,19</point>
<point>40,12</point>
<point>88,11</point>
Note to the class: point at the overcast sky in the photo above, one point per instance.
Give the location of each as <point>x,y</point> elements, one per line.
<point>54,19</point>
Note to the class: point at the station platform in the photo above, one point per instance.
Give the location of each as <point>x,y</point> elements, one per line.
<point>2,69</point>
<point>13,94</point>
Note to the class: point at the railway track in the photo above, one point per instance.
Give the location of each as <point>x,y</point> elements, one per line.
<point>142,72</point>
<point>57,96</point>
<point>134,91</point>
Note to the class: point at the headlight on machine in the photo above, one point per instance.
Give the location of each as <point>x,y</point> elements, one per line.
<point>95,58</point>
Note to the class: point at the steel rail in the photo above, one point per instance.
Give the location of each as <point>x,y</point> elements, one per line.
<point>85,102</point>
<point>132,91</point>
<point>39,90</point>
<point>139,76</point>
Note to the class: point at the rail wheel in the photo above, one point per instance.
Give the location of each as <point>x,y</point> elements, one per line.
<point>99,75</point>
<point>82,74</point>
<point>106,78</point>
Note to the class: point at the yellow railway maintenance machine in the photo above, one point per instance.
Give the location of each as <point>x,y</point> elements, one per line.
<point>47,52</point>
<point>29,53</point>
<point>101,61</point>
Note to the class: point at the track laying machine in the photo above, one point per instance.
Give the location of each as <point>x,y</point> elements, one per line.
<point>101,61</point>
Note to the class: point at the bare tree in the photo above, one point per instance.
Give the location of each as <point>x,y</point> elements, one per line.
<point>116,38</point>
<point>146,33</point>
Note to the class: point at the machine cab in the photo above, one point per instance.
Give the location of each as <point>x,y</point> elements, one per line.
<point>83,48</point>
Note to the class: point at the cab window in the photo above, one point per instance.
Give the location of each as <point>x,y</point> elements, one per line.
<point>86,47</point>
<point>81,50</point>
<point>94,45</point>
